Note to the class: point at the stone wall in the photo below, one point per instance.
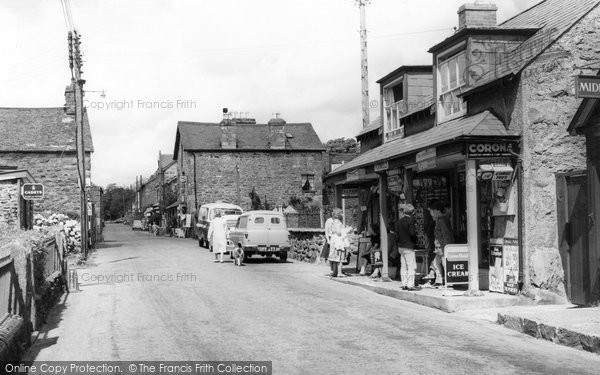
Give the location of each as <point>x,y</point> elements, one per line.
<point>9,202</point>
<point>543,112</point>
<point>58,173</point>
<point>231,176</point>
<point>149,192</point>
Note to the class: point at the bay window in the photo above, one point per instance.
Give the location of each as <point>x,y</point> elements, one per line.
<point>451,79</point>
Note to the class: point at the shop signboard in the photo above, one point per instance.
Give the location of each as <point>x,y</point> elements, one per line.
<point>380,167</point>
<point>350,193</point>
<point>496,265</point>
<point>32,192</point>
<point>497,149</point>
<point>456,264</point>
<point>511,265</point>
<point>426,159</point>
<point>355,174</point>
<point>587,86</point>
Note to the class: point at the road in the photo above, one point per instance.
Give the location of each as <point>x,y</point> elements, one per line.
<point>164,299</point>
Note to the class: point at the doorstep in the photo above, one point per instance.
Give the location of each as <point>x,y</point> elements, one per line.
<point>448,300</point>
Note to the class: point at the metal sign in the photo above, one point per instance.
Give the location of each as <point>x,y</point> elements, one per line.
<point>350,193</point>
<point>456,264</point>
<point>490,149</point>
<point>32,192</point>
<point>381,166</point>
<point>427,154</point>
<point>587,86</point>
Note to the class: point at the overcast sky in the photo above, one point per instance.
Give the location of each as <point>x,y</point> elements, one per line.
<point>297,57</point>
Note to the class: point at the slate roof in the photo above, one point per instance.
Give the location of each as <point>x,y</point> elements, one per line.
<point>553,18</point>
<point>202,136</point>
<point>166,160</point>
<point>40,130</point>
<point>484,124</point>
<point>374,125</point>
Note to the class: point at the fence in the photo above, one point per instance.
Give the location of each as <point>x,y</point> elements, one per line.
<point>53,261</point>
<point>11,296</point>
<point>303,219</point>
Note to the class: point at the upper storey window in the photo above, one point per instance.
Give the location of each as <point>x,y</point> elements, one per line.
<point>451,79</point>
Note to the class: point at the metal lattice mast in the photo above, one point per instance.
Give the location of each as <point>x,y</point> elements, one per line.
<point>364,71</point>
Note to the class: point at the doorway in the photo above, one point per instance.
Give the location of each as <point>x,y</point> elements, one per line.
<point>573,230</point>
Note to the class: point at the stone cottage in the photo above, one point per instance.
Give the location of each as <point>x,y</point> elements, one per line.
<point>229,160</point>
<point>43,141</point>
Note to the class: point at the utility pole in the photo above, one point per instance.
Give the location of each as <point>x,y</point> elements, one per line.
<point>75,63</point>
<point>364,70</point>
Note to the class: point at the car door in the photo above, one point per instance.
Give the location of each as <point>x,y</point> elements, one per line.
<point>258,232</point>
<point>277,232</point>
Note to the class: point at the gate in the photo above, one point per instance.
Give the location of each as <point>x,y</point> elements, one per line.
<point>573,231</point>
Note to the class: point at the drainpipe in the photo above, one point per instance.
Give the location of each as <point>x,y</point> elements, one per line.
<point>521,280</point>
<point>195,187</point>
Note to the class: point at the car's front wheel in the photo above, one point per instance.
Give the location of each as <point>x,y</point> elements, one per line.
<point>283,256</point>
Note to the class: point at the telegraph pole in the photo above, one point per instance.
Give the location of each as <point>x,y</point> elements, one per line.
<point>75,63</point>
<point>364,71</point>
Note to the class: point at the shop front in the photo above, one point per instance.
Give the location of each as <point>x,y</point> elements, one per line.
<point>470,165</point>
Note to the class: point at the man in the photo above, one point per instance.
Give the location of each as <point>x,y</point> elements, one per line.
<point>405,234</point>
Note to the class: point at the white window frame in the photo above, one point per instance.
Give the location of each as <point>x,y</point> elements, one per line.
<point>393,111</point>
<point>447,92</point>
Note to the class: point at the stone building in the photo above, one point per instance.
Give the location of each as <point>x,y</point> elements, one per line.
<point>43,141</point>
<point>229,160</point>
<point>503,98</point>
<point>161,186</point>
<point>14,210</point>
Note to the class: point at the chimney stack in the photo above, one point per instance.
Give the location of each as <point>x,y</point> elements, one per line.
<point>70,99</point>
<point>277,138</point>
<point>478,14</point>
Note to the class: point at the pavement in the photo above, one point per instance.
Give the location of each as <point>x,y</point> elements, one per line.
<point>563,324</point>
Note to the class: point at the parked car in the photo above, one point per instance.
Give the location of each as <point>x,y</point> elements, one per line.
<point>137,224</point>
<point>263,233</point>
<point>206,214</point>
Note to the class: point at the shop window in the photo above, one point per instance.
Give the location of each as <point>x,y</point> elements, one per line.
<point>308,182</point>
<point>451,79</point>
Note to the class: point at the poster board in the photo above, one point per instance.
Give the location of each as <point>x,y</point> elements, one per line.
<point>504,265</point>
<point>496,265</point>
<point>456,264</point>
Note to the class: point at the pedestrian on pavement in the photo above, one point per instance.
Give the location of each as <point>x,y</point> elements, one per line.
<point>405,234</point>
<point>337,246</point>
<point>443,235</point>
<point>328,233</point>
<point>217,234</point>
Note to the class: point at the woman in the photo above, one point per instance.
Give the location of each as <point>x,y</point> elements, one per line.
<point>443,235</point>
<point>217,234</point>
<point>337,246</point>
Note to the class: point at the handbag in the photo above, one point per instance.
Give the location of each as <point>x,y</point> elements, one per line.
<point>325,250</point>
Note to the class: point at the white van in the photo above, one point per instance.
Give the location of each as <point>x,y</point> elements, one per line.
<point>206,214</point>
<point>262,233</point>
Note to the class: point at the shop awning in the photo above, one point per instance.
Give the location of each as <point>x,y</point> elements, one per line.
<point>484,124</point>
<point>174,205</point>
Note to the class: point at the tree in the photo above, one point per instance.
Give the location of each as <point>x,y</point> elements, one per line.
<point>342,145</point>
<point>116,201</point>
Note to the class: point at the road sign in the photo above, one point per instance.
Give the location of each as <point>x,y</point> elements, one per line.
<point>34,192</point>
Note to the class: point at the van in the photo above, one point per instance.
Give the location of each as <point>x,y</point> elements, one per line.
<point>206,214</point>
<point>263,233</point>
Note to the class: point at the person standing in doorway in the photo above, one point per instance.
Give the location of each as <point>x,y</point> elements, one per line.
<point>217,234</point>
<point>443,235</point>
<point>405,234</point>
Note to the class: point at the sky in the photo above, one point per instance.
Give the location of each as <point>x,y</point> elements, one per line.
<point>163,61</point>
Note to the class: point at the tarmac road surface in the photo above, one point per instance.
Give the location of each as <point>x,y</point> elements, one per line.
<point>159,298</point>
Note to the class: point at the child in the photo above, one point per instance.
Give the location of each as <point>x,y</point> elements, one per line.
<point>376,258</point>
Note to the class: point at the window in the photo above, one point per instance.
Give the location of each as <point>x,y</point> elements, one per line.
<point>451,77</point>
<point>259,220</point>
<point>242,222</point>
<point>394,108</point>
<point>275,220</point>
<point>308,182</point>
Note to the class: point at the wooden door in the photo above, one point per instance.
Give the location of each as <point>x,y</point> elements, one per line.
<point>573,229</point>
